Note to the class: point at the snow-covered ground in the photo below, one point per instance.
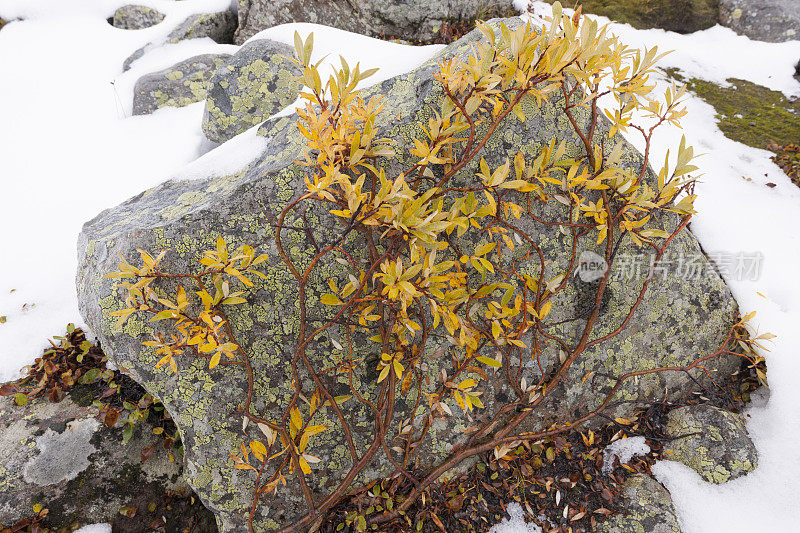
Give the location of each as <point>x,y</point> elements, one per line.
<point>69,148</point>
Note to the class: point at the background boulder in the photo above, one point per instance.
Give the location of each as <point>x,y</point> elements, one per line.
<point>411,20</point>
<point>218,27</point>
<point>773,21</point>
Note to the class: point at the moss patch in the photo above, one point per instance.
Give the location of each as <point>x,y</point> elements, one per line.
<point>682,16</point>
<point>749,113</point>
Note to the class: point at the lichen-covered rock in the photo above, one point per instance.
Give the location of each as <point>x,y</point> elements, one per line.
<point>681,16</point>
<point>413,20</point>
<point>181,84</point>
<point>679,319</point>
<point>773,21</point>
<point>646,507</point>
<point>132,17</point>
<point>218,27</point>
<point>256,82</point>
<point>59,456</point>
<point>711,441</point>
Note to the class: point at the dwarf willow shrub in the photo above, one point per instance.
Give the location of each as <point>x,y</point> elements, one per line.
<point>416,283</point>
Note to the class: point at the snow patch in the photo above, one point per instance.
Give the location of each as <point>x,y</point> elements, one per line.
<point>624,450</point>
<point>515,523</point>
<point>95,528</point>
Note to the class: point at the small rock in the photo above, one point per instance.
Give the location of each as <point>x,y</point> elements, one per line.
<point>711,441</point>
<point>256,82</point>
<point>126,65</point>
<point>763,20</point>
<point>133,17</point>
<point>646,508</point>
<point>219,27</point>
<point>179,85</point>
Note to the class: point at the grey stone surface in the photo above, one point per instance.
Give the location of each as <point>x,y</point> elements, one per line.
<point>414,20</point>
<point>763,20</point>
<point>133,17</point>
<point>678,320</point>
<point>218,27</point>
<point>646,507</point>
<point>256,82</point>
<point>711,441</point>
<point>179,85</point>
<point>58,455</point>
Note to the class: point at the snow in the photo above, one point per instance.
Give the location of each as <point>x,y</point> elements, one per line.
<point>69,149</point>
<point>515,522</point>
<point>95,528</point>
<point>624,450</point>
<point>715,54</point>
<point>738,212</point>
<point>330,43</point>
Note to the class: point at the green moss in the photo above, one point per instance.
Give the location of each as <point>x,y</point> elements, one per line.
<point>749,113</point>
<point>682,16</point>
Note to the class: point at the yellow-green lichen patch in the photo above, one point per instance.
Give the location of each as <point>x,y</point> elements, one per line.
<point>646,508</point>
<point>255,83</point>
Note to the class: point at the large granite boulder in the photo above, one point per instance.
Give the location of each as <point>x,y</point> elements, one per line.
<point>711,441</point>
<point>181,84</point>
<point>59,457</point>
<point>132,17</point>
<point>645,507</point>
<point>681,16</point>
<point>411,20</point>
<point>773,21</point>
<point>255,83</point>
<point>679,319</point>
